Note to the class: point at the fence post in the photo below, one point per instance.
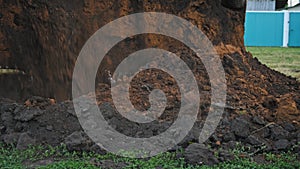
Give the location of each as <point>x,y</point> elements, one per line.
<point>286,29</point>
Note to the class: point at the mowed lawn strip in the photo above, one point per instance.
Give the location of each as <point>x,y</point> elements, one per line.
<point>284,60</point>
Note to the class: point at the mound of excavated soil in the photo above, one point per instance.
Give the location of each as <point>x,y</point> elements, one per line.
<point>41,121</point>
<point>43,39</point>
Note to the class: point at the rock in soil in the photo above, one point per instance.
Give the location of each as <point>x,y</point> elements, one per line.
<point>77,141</point>
<point>25,140</point>
<point>199,154</point>
<point>11,138</point>
<point>277,132</point>
<point>240,128</point>
<point>253,140</point>
<point>281,144</point>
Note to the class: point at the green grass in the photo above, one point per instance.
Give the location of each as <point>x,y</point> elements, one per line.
<point>70,164</point>
<point>11,158</point>
<point>284,60</point>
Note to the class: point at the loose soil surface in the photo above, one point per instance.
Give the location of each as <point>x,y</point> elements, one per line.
<point>42,121</point>
<point>262,109</point>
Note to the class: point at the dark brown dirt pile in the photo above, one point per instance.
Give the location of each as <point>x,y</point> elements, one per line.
<point>43,39</point>
<point>39,121</point>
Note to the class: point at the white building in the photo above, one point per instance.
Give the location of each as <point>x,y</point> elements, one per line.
<point>267,5</point>
<point>261,5</point>
<point>293,2</point>
<point>295,8</point>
